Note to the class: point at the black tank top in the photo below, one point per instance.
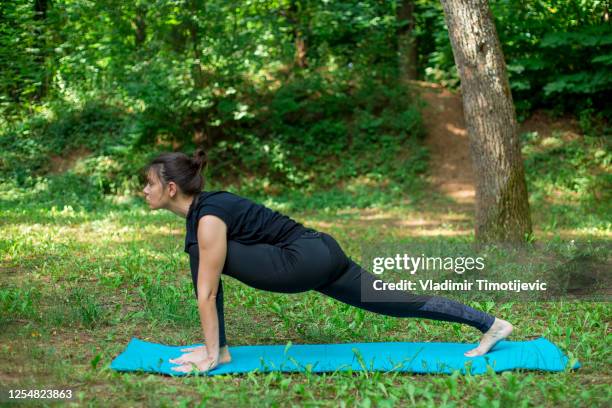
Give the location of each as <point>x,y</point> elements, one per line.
<point>247,222</point>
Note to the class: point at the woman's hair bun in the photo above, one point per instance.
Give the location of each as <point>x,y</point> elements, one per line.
<point>200,158</point>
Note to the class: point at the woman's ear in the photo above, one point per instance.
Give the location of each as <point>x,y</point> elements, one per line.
<point>172,189</point>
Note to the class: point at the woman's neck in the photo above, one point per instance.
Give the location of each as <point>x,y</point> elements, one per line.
<point>180,206</point>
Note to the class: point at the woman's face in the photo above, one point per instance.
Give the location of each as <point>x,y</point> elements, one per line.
<point>154,192</point>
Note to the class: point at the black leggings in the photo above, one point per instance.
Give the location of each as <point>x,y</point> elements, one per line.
<point>315,261</point>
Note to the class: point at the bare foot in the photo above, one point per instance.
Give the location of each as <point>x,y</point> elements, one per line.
<point>224,354</point>
<point>500,330</point>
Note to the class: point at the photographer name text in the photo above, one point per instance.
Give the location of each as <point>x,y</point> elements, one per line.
<point>515,285</point>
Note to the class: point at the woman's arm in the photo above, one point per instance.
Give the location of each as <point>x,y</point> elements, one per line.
<point>212,243</point>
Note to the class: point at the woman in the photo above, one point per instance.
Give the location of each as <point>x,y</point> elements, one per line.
<point>232,235</point>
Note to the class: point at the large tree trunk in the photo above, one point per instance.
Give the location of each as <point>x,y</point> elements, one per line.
<point>502,207</point>
<point>406,43</point>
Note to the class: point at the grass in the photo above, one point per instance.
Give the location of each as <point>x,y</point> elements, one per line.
<point>76,284</point>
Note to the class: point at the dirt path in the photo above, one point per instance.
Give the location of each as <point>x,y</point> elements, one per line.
<point>450,164</point>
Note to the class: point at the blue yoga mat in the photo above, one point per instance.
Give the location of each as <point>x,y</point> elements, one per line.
<point>538,354</point>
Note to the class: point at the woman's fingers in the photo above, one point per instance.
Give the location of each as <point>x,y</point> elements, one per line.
<point>191,366</point>
<point>190,359</point>
<point>181,360</point>
<point>191,348</point>
<point>187,358</point>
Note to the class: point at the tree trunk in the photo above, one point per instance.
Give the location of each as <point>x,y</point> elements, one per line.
<point>197,73</point>
<point>40,16</point>
<point>301,46</point>
<point>406,43</point>
<point>502,207</point>
<point>300,50</point>
<point>196,68</point>
<point>140,26</point>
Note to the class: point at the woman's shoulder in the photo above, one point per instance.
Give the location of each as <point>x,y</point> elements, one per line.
<point>220,198</point>
<point>216,195</point>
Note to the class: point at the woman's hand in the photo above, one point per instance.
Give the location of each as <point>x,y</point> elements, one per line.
<point>191,349</point>
<point>224,355</point>
<point>194,355</point>
<point>196,360</point>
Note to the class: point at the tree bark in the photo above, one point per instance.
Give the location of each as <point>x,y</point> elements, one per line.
<point>40,17</point>
<point>502,206</point>
<point>196,68</point>
<point>197,73</point>
<point>300,57</point>
<point>140,26</point>
<point>406,43</point>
